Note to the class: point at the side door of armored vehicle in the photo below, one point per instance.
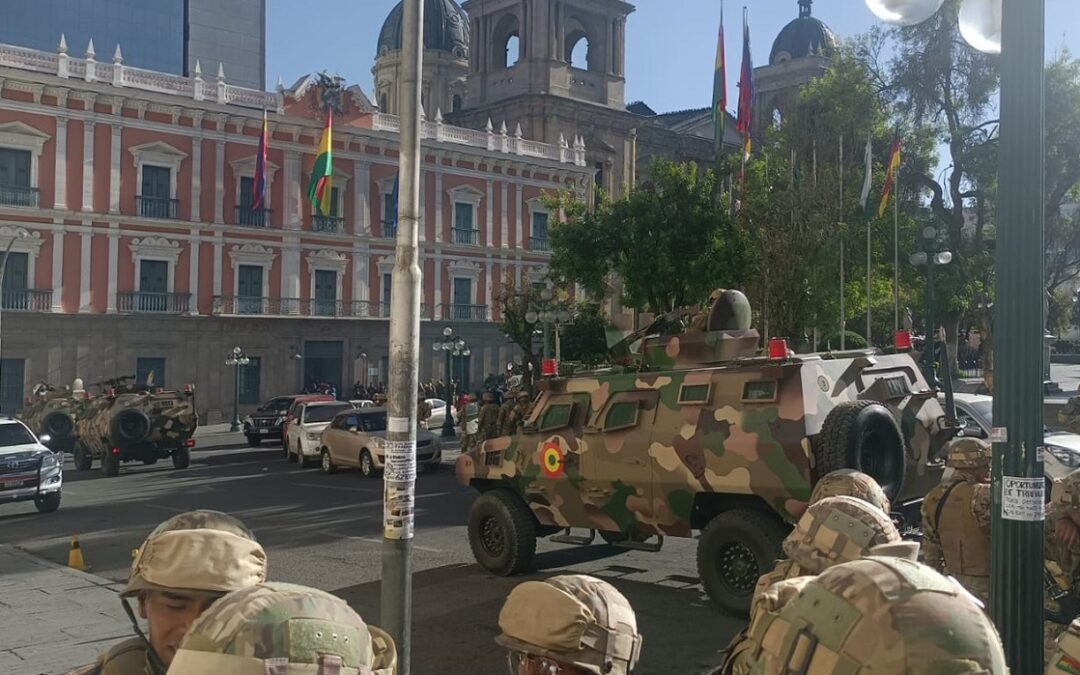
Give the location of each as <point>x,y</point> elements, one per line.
<point>557,460</point>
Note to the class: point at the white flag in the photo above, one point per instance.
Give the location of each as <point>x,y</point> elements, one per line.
<point>869,180</point>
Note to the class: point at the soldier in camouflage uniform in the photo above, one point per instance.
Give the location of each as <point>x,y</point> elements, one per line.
<point>1062,549</point>
<point>1066,655</point>
<point>505,414</point>
<point>885,615</point>
<point>850,483</point>
<point>487,422</point>
<point>571,624</point>
<point>956,518</point>
<point>833,530</point>
<point>186,563</point>
<point>284,629</point>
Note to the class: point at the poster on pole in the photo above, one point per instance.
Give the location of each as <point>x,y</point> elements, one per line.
<point>399,482</point>
<point>1023,498</point>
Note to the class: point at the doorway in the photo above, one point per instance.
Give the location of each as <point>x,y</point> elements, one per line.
<point>323,364</point>
<point>11,385</point>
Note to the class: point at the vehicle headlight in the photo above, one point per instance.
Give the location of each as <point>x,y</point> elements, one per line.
<point>279,421</point>
<point>50,461</point>
<point>312,436</point>
<point>377,442</point>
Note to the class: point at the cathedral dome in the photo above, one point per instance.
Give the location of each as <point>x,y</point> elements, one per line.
<point>803,37</point>
<point>446,28</point>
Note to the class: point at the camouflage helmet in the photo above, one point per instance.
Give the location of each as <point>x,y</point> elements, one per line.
<point>199,552</point>
<point>285,629</point>
<point>850,483</point>
<point>575,620</point>
<point>837,530</point>
<point>968,454</point>
<point>1066,491</point>
<point>1066,658</point>
<point>887,614</point>
<point>523,395</point>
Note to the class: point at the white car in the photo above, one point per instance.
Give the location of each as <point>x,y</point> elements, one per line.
<point>29,471</point>
<point>438,413</point>
<point>361,403</point>
<point>302,437</point>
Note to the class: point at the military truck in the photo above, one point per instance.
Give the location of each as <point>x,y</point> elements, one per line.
<point>51,414</point>
<point>702,434</point>
<point>128,423</point>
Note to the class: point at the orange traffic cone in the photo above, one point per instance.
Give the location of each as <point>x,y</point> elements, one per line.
<point>75,557</point>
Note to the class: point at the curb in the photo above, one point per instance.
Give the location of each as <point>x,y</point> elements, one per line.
<point>42,562</point>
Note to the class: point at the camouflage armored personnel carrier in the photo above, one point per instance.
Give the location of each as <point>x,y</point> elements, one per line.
<point>129,423</point>
<point>51,414</point>
<point>701,435</point>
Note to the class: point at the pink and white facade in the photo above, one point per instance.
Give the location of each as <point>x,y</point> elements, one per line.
<point>125,196</point>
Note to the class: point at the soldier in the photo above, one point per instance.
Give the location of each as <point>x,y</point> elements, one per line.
<point>505,414</point>
<point>423,409</point>
<point>283,629</point>
<point>521,410</point>
<point>1062,550</point>
<point>487,422</point>
<point>851,483</point>
<point>834,530</point>
<point>569,624</point>
<point>956,518</point>
<point>880,614</point>
<point>185,564</point>
<point>379,400</point>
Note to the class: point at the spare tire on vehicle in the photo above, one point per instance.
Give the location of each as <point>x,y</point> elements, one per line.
<point>865,436</point>
<point>131,425</point>
<point>58,425</point>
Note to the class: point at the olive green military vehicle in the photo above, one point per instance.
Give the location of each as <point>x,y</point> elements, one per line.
<point>51,414</point>
<point>701,435</point>
<point>127,424</point>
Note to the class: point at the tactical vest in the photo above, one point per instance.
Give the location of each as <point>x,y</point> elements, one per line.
<point>123,658</point>
<point>964,544</point>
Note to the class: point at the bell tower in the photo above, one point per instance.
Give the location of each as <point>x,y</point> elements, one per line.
<point>572,49</point>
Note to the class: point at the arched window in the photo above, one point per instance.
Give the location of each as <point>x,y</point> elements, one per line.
<point>513,50</point>
<point>506,41</point>
<point>455,105</point>
<point>777,118</point>
<point>577,50</point>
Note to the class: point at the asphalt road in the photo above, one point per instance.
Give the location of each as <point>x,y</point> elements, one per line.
<point>325,531</point>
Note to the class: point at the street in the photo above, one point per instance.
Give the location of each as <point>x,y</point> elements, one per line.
<point>325,531</point>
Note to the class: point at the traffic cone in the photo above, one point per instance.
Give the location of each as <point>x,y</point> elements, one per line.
<point>75,558</point>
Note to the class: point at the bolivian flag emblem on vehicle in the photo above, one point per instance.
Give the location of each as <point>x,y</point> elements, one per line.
<point>551,460</point>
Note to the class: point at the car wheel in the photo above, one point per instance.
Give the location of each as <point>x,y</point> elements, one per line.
<point>863,435</point>
<point>288,452</point>
<point>47,503</point>
<point>502,533</point>
<point>734,550</point>
<point>327,464</point>
<point>110,463</point>
<point>367,465</point>
<point>83,459</point>
<point>285,447</point>
<point>181,458</point>
<point>253,441</point>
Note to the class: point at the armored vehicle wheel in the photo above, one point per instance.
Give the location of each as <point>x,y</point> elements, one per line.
<point>326,463</point>
<point>83,459</point>
<point>502,533</point>
<point>253,441</point>
<point>47,503</point>
<point>131,425</point>
<point>181,458</point>
<point>110,463</point>
<point>863,435</point>
<point>58,424</point>
<point>734,550</point>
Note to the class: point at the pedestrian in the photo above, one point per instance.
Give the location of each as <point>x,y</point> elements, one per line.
<point>569,624</point>
<point>1062,551</point>
<point>956,518</point>
<point>284,629</point>
<point>885,615</point>
<point>487,421</point>
<point>185,564</point>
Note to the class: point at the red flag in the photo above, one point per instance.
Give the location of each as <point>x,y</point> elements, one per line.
<point>746,91</point>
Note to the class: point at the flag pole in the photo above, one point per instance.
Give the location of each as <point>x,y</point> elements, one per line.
<point>843,338</point>
<point>896,255</point>
<point>869,261</point>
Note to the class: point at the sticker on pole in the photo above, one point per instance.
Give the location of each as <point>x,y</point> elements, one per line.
<point>400,461</point>
<point>397,424</point>
<point>999,435</point>
<point>1022,498</point>
<point>398,511</point>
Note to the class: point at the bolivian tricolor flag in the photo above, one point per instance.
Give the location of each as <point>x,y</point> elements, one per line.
<point>890,176</point>
<point>322,174</point>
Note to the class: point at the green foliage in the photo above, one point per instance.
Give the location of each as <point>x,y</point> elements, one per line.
<point>514,297</point>
<point>669,241</point>
<point>851,341</point>
<point>583,340</point>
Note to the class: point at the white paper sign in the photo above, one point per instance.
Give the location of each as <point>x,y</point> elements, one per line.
<point>999,435</point>
<point>1022,498</point>
<point>397,511</point>
<point>400,461</point>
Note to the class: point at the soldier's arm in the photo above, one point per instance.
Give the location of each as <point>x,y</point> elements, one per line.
<point>931,543</point>
<point>980,505</point>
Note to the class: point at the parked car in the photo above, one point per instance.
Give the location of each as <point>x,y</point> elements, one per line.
<point>29,471</point>
<point>290,413</point>
<point>357,438</point>
<point>438,413</point>
<point>302,442</point>
<point>361,403</point>
<point>268,420</point>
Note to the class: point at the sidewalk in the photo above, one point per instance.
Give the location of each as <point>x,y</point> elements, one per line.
<point>53,618</point>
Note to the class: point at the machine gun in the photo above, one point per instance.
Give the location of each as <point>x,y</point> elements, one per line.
<point>907,516</point>
<point>121,382</point>
<point>1067,601</point>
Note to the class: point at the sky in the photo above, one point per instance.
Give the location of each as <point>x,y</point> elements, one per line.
<point>670,53</point>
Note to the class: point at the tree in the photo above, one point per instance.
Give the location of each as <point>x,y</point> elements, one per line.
<point>583,340</point>
<point>669,241</point>
<point>1062,176</point>
<point>515,296</point>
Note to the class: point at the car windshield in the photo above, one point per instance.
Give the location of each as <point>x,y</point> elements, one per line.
<point>983,410</point>
<point>277,405</point>
<point>323,413</point>
<point>373,421</point>
<point>14,434</point>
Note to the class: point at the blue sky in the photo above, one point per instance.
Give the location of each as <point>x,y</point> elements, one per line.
<point>670,52</point>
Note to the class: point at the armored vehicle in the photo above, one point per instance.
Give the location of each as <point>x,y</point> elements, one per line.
<point>701,435</point>
<point>136,424</point>
<point>51,414</point>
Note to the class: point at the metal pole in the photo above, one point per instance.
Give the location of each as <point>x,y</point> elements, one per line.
<point>235,426</point>
<point>547,349</point>
<point>869,335</point>
<point>843,327</point>
<point>931,326</point>
<point>448,421</point>
<point>896,257</point>
<point>1017,532</point>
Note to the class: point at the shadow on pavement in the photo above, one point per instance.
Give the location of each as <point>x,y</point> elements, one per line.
<point>456,611</point>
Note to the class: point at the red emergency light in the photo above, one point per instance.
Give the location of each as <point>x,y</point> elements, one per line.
<point>778,349</point>
<point>189,443</point>
<point>549,367</point>
<point>902,341</point>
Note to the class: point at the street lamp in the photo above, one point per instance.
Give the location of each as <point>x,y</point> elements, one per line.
<point>450,346</point>
<point>550,310</point>
<point>236,358</point>
<point>1017,30</point>
<point>932,258</point>
<point>21,234</point>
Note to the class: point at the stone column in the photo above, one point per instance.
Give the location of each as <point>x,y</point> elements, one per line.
<point>196,179</point>
<point>362,205</point>
<point>438,287</point>
<point>114,170</point>
<point>58,266</point>
<point>438,206</point>
<point>114,259</point>
<point>290,266</point>
<point>219,244</point>
<point>219,188</point>
<point>489,227</point>
<point>60,183</point>
<point>523,233</point>
<point>84,268</point>
<point>193,274</point>
<point>88,166</point>
<point>487,283</point>
<point>292,191</point>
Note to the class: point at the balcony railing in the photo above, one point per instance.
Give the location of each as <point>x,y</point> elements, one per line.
<point>355,309</point>
<point>157,207</point>
<point>320,223</point>
<point>464,236</point>
<point>138,302</point>
<point>465,312</point>
<point>27,300</point>
<point>389,230</point>
<point>539,244</point>
<point>19,195</point>
<point>249,217</point>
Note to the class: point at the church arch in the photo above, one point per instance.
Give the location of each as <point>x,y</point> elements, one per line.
<point>507,41</point>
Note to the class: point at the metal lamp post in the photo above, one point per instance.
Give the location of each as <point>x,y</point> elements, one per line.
<point>1018,32</point>
<point>547,312</point>
<point>450,346</point>
<point>932,258</point>
<point>236,359</point>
